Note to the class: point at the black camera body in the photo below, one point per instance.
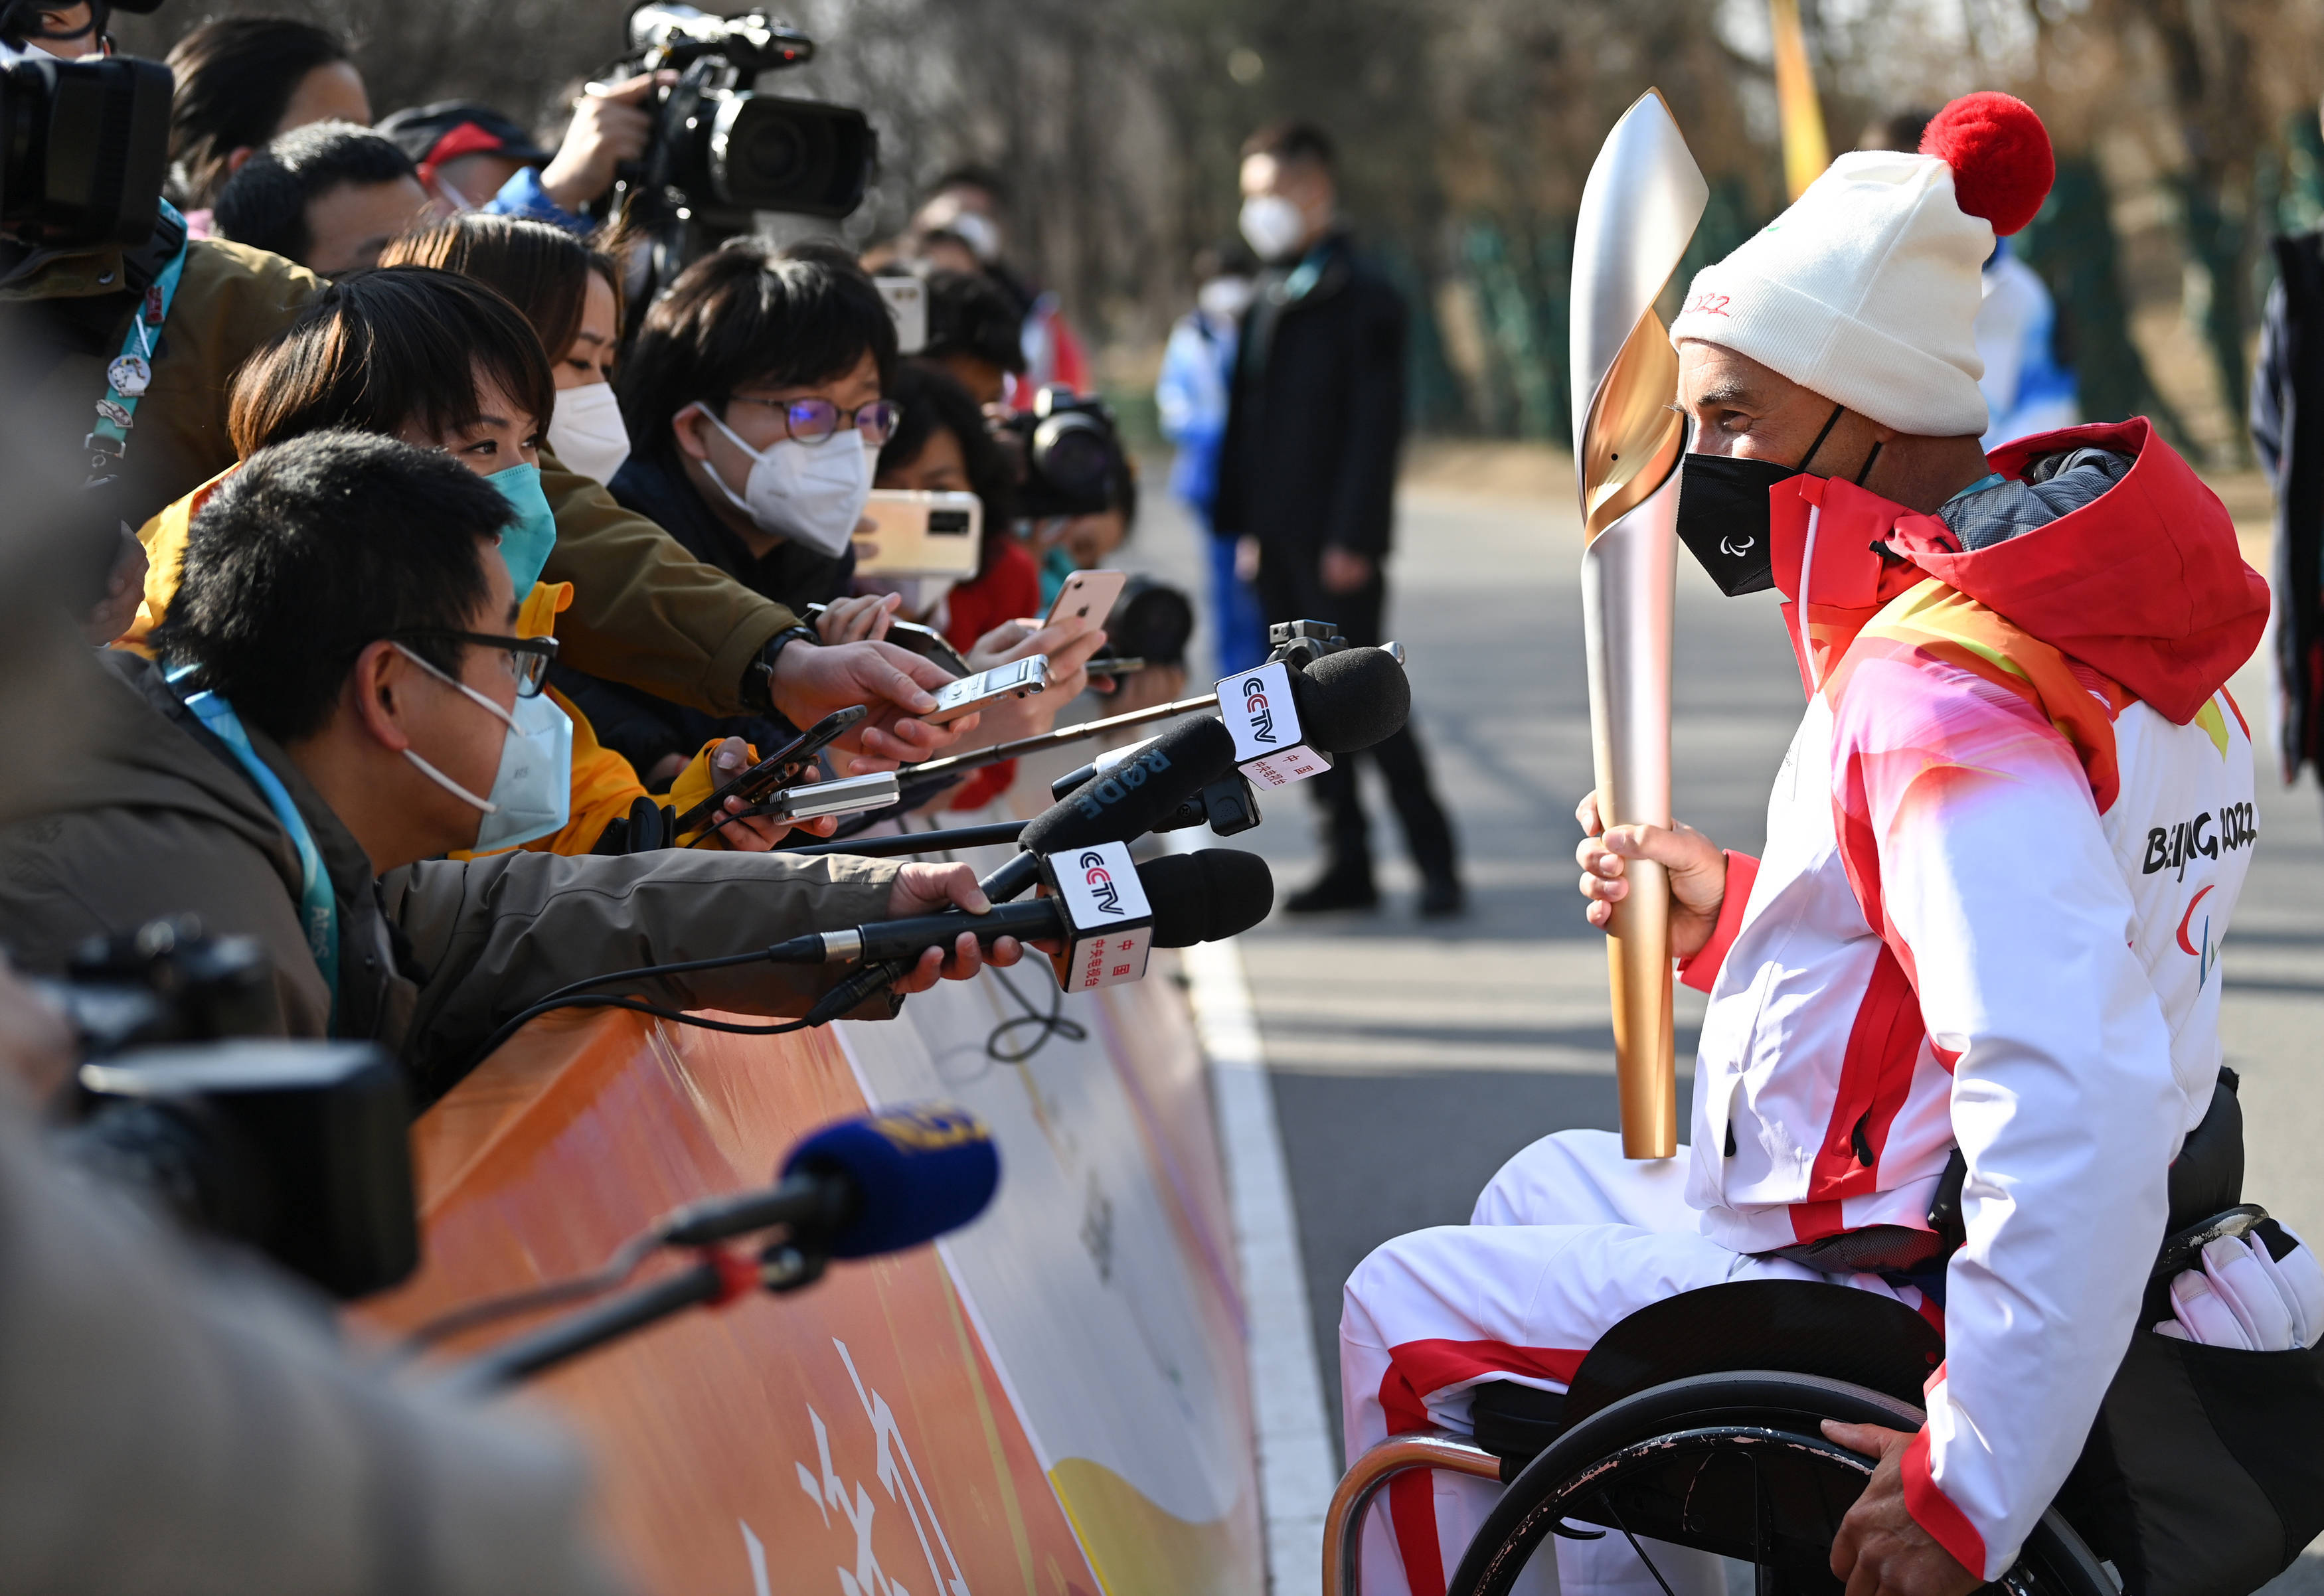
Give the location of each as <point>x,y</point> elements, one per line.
<point>299,1149</point>
<point>84,146</point>
<point>1069,454</point>
<point>722,151</point>
<point>1152,621</point>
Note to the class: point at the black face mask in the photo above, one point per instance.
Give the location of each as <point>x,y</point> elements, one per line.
<point>1722,512</point>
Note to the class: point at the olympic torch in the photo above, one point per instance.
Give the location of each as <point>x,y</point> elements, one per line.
<point>1640,208</point>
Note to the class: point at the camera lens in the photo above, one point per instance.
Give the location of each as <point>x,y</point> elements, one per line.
<point>766,155</point>
<point>1076,457</point>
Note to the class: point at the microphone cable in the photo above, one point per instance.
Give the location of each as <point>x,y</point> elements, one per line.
<point>550,1294</point>
<point>1052,1024</point>
<point>577,995</point>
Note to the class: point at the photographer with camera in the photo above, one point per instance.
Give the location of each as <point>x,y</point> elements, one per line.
<point>339,712</point>
<point>471,157</point>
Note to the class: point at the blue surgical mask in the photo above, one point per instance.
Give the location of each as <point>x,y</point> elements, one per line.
<point>526,542</point>
<point>532,790</point>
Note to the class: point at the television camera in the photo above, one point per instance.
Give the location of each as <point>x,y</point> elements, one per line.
<point>721,150</point>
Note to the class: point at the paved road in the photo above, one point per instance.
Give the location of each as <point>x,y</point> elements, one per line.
<point>1410,1060</point>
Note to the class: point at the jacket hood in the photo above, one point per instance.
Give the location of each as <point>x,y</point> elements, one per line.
<point>2145,583</point>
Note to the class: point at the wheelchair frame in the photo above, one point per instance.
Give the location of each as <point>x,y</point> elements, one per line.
<point>1709,1405</point>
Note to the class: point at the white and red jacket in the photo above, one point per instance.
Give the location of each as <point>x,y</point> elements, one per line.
<point>2001,856</point>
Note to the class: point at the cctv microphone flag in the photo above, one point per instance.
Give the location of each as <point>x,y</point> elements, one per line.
<point>1257,708</point>
<point>1109,924</point>
<point>1639,210</point>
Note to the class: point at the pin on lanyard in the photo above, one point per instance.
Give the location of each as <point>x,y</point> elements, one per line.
<point>131,372</point>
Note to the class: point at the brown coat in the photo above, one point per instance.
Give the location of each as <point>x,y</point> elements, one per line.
<point>156,818</point>
<point>645,611</point>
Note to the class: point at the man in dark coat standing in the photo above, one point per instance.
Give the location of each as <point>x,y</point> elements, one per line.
<point>1307,472</point>
<point>2287,423</point>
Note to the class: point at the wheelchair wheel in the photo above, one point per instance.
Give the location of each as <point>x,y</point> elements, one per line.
<point>1735,1464</point>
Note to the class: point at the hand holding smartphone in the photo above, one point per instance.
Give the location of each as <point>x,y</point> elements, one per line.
<point>1018,680</point>
<point>781,768</point>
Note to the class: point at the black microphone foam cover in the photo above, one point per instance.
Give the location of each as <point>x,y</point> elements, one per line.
<point>1352,699</point>
<point>1207,896</point>
<point>1130,802</point>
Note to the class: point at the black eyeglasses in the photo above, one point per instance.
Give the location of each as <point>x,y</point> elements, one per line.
<point>529,658</point>
<point>811,420</point>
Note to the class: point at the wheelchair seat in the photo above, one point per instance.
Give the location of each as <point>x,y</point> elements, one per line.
<point>1801,1326</point>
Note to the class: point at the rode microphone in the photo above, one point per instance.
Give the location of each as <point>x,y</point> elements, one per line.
<point>1346,701</point>
<point>1107,912</point>
<point>879,1183</point>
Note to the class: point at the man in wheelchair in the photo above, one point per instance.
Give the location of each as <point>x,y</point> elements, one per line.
<point>2002,853</point>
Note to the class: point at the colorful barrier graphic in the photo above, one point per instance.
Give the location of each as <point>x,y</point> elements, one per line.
<point>1050,1401</point>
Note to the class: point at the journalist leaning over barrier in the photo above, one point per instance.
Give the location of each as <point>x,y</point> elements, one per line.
<point>342,599</point>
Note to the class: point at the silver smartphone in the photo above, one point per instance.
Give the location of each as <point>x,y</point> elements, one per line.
<point>1018,680</point>
<point>844,796</point>
<point>922,534</point>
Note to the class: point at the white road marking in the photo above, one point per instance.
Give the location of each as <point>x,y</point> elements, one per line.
<point>1297,1472</point>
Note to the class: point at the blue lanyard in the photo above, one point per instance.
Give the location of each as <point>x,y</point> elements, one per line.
<point>131,372</point>
<point>318,907</point>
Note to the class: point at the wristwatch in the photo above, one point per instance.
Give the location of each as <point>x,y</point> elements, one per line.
<point>759,679</point>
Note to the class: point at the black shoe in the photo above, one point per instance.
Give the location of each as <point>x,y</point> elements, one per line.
<point>1443,897</point>
<point>1342,886</point>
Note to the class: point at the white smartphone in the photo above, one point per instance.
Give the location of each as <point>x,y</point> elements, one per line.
<point>922,534</point>
<point>908,302</point>
<point>1020,679</point>
<point>1090,595</point>
<point>844,796</point>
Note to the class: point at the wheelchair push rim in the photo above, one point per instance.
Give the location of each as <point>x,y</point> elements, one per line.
<point>1732,1463</point>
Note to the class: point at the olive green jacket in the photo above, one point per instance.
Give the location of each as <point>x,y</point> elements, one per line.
<point>153,817</point>
<point>644,611</point>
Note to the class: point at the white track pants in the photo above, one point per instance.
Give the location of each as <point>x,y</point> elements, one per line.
<point>1568,1239</point>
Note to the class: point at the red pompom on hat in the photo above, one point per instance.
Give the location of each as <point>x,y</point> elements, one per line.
<point>2000,154</point>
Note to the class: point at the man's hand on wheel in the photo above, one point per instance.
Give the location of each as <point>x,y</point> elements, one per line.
<point>1881,1550</point>
<point>1698,872</point>
<point>811,682</point>
<point>930,888</point>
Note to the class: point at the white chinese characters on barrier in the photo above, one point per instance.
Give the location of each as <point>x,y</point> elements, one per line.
<point>894,1469</point>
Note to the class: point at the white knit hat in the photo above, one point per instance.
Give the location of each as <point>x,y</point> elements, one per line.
<point>1866,289</point>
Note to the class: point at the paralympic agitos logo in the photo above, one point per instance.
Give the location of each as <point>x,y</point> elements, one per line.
<point>2206,836</point>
